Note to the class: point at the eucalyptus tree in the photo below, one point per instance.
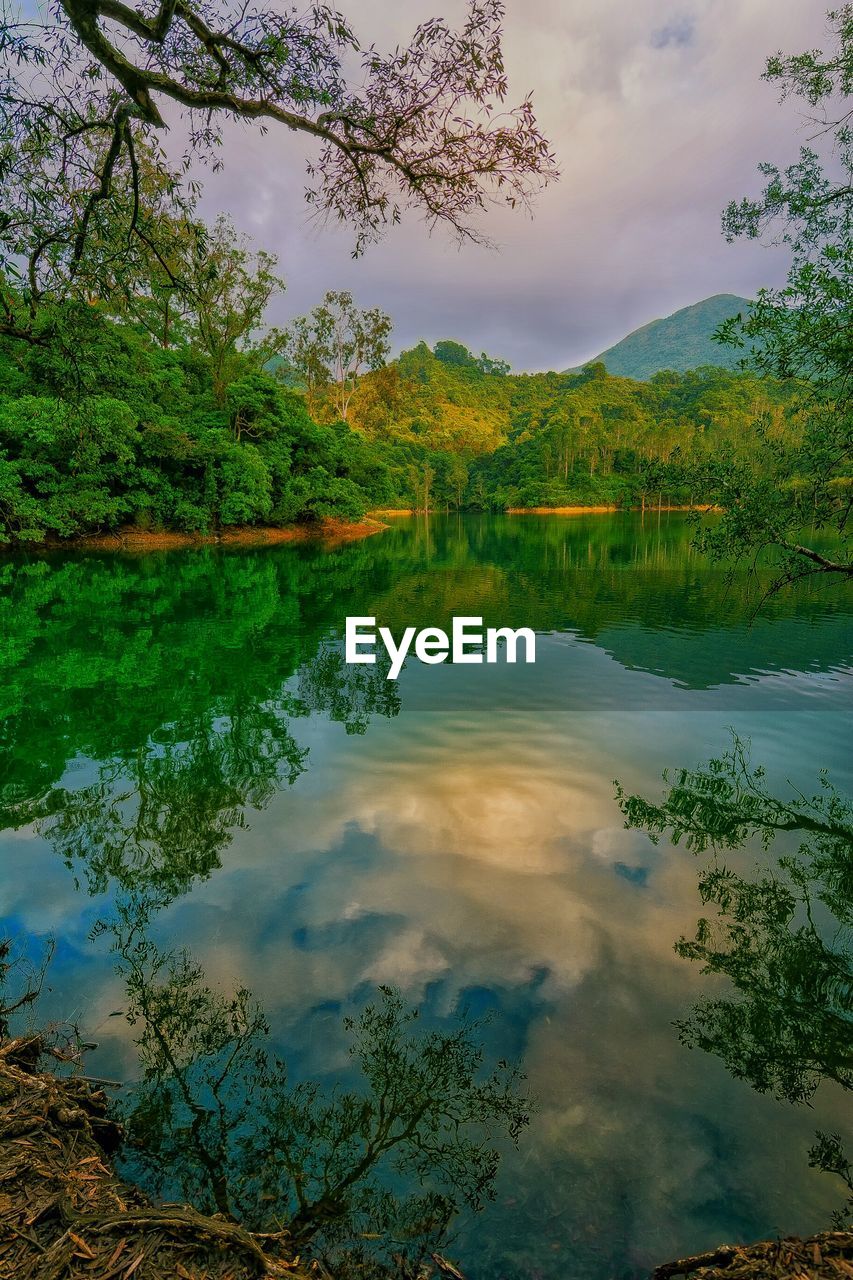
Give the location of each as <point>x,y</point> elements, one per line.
<point>331,347</point>
<point>415,128</point>
<point>457,478</point>
<point>228,286</point>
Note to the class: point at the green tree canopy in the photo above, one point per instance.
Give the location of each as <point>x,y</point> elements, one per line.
<point>802,330</point>
<point>332,346</point>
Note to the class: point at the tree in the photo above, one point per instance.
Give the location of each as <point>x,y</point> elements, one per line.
<point>101,427</point>
<point>415,128</point>
<point>457,478</point>
<point>156,293</point>
<point>255,407</point>
<point>454,353</point>
<point>490,365</point>
<point>801,331</point>
<point>67,235</point>
<point>229,287</point>
<point>420,480</point>
<point>63,462</point>
<point>331,347</point>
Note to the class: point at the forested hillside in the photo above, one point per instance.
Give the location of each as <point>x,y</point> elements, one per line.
<point>684,340</point>
<point>462,431</point>
<point>102,426</point>
<point>148,391</point>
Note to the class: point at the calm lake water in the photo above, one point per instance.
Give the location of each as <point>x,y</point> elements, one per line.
<point>185,719</point>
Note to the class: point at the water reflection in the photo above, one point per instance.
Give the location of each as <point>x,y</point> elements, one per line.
<point>169,716</point>
<point>367,1176</point>
<point>779,932</point>
<point>185,736</point>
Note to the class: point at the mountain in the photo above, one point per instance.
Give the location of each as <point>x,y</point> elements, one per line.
<point>682,341</point>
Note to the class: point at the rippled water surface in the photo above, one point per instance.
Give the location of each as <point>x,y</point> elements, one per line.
<point>187,717</point>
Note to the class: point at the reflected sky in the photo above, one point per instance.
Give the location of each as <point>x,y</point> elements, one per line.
<point>467,847</point>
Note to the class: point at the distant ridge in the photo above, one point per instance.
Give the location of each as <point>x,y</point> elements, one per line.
<point>681,341</point>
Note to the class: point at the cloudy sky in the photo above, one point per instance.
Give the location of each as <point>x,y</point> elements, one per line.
<point>658,115</point>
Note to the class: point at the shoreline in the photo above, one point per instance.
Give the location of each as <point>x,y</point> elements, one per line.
<point>601,509</point>
<point>329,531</point>
<point>60,1222</point>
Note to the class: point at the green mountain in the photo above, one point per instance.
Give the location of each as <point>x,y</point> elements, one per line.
<point>684,340</point>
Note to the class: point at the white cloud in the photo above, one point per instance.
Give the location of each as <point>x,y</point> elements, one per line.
<point>659,117</point>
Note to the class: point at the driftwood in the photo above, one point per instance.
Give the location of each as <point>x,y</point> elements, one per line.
<point>65,1215</point>
<point>828,1256</point>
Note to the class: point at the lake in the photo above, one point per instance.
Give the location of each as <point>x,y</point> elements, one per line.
<point>184,722</point>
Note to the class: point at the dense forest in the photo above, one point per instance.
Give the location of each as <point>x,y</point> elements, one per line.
<point>109,429</point>
<point>140,385</point>
<point>111,421</point>
<point>461,431</point>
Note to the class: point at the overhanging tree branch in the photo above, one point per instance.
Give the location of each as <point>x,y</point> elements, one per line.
<point>829,566</point>
<point>420,129</point>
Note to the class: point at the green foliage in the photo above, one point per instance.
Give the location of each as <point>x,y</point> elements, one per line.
<point>801,331</point>
<point>255,407</point>
<point>454,353</point>
<point>228,287</point>
<point>556,439</point>
<point>186,422</point>
<point>329,348</point>
<point>63,235</point>
<point>172,674</point>
<point>64,465</point>
<point>205,436</point>
<point>115,429</point>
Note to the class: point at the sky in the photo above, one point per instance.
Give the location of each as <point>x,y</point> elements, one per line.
<point>658,115</point>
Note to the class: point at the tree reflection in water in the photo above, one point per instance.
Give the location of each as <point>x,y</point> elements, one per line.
<point>780,934</point>
<point>150,706</point>
<point>369,1177</point>
<point>161,816</point>
<point>365,1178</point>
